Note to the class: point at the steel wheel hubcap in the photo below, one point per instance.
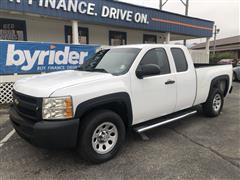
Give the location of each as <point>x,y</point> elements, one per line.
<point>217,102</point>
<point>104,138</point>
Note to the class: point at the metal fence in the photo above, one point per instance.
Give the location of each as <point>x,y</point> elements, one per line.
<point>6,92</point>
<point>6,87</point>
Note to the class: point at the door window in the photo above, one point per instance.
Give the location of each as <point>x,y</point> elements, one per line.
<point>117,38</point>
<point>158,57</point>
<point>179,59</point>
<point>83,35</point>
<point>149,39</point>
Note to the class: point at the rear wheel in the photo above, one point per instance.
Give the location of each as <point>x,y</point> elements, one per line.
<point>214,104</point>
<point>101,136</point>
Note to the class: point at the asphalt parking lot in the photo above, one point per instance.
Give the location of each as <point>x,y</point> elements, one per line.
<point>194,148</point>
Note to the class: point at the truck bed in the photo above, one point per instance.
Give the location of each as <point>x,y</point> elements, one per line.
<point>204,65</point>
<point>205,73</point>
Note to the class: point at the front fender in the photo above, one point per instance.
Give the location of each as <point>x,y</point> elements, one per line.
<point>121,97</point>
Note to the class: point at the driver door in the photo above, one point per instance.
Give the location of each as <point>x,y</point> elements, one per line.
<point>154,96</point>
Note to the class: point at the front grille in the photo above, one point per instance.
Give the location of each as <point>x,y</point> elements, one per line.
<point>27,106</point>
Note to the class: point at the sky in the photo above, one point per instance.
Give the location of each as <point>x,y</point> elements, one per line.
<point>225,13</point>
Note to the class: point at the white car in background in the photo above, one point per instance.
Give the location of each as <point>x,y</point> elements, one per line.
<point>236,73</point>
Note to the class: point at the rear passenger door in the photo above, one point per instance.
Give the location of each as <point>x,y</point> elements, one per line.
<point>185,78</point>
<point>154,96</point>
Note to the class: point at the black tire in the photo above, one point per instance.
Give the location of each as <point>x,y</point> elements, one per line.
<point>89,126</point>
<point>208,106</point>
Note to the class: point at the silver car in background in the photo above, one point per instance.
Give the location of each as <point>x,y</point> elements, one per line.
<point>236,73</point>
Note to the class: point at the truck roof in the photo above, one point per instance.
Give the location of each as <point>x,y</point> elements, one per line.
<point>141,46</point>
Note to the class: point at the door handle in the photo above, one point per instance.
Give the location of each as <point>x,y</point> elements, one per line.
<point>170,82</point>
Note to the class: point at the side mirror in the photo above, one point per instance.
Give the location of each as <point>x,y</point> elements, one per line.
<point>147,70</point>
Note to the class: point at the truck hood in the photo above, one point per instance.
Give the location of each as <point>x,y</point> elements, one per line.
<point>46,84</point>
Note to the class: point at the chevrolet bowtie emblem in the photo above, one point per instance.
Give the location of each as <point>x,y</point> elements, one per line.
<point>16,102</point>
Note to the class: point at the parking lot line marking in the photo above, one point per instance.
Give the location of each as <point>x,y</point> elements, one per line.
<point>7,137</point>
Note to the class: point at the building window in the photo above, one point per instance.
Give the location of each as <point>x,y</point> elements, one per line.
<point>83,35</point>
<point>149,39</point>
<point>117,38</point>
<point>13,30</point>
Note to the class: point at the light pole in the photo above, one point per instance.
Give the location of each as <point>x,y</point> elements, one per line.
<point>162,3</point>
<point>185,3</point>
<point>216,32</point>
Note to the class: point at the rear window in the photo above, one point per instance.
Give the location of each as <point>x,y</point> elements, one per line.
<point>179,59</point>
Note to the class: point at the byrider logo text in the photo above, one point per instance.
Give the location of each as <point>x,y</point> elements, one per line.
<point>27,59</point>
<point>87,8</point>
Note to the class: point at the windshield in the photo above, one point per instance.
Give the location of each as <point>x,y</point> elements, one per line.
<point>115,61</point>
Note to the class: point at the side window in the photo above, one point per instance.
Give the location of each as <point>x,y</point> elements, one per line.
<point>159,57</point>
<point>11,29</point>
<point>179,59</point>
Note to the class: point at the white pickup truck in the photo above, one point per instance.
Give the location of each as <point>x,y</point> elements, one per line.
<point>137,87</point>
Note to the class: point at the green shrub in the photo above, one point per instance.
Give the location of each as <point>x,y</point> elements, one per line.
<point>219,56</point>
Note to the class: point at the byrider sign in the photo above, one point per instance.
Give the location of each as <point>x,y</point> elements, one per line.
<point>89,8</point>
<point>31,57</point>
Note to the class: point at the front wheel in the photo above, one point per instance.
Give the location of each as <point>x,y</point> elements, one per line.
<point>214,104</point>
<point>101,136</point>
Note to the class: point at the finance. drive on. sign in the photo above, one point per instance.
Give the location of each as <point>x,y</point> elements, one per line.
<point>88,8</point>
<point>113,13</point>
<point>30,57</point>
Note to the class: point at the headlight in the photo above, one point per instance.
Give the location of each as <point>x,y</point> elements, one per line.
<point>57,108</point>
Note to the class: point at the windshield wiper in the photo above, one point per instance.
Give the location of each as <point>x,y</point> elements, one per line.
<point>97,70</point>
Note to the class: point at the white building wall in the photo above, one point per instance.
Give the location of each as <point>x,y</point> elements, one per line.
<point>46,31</point>
<point>199,56</point>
